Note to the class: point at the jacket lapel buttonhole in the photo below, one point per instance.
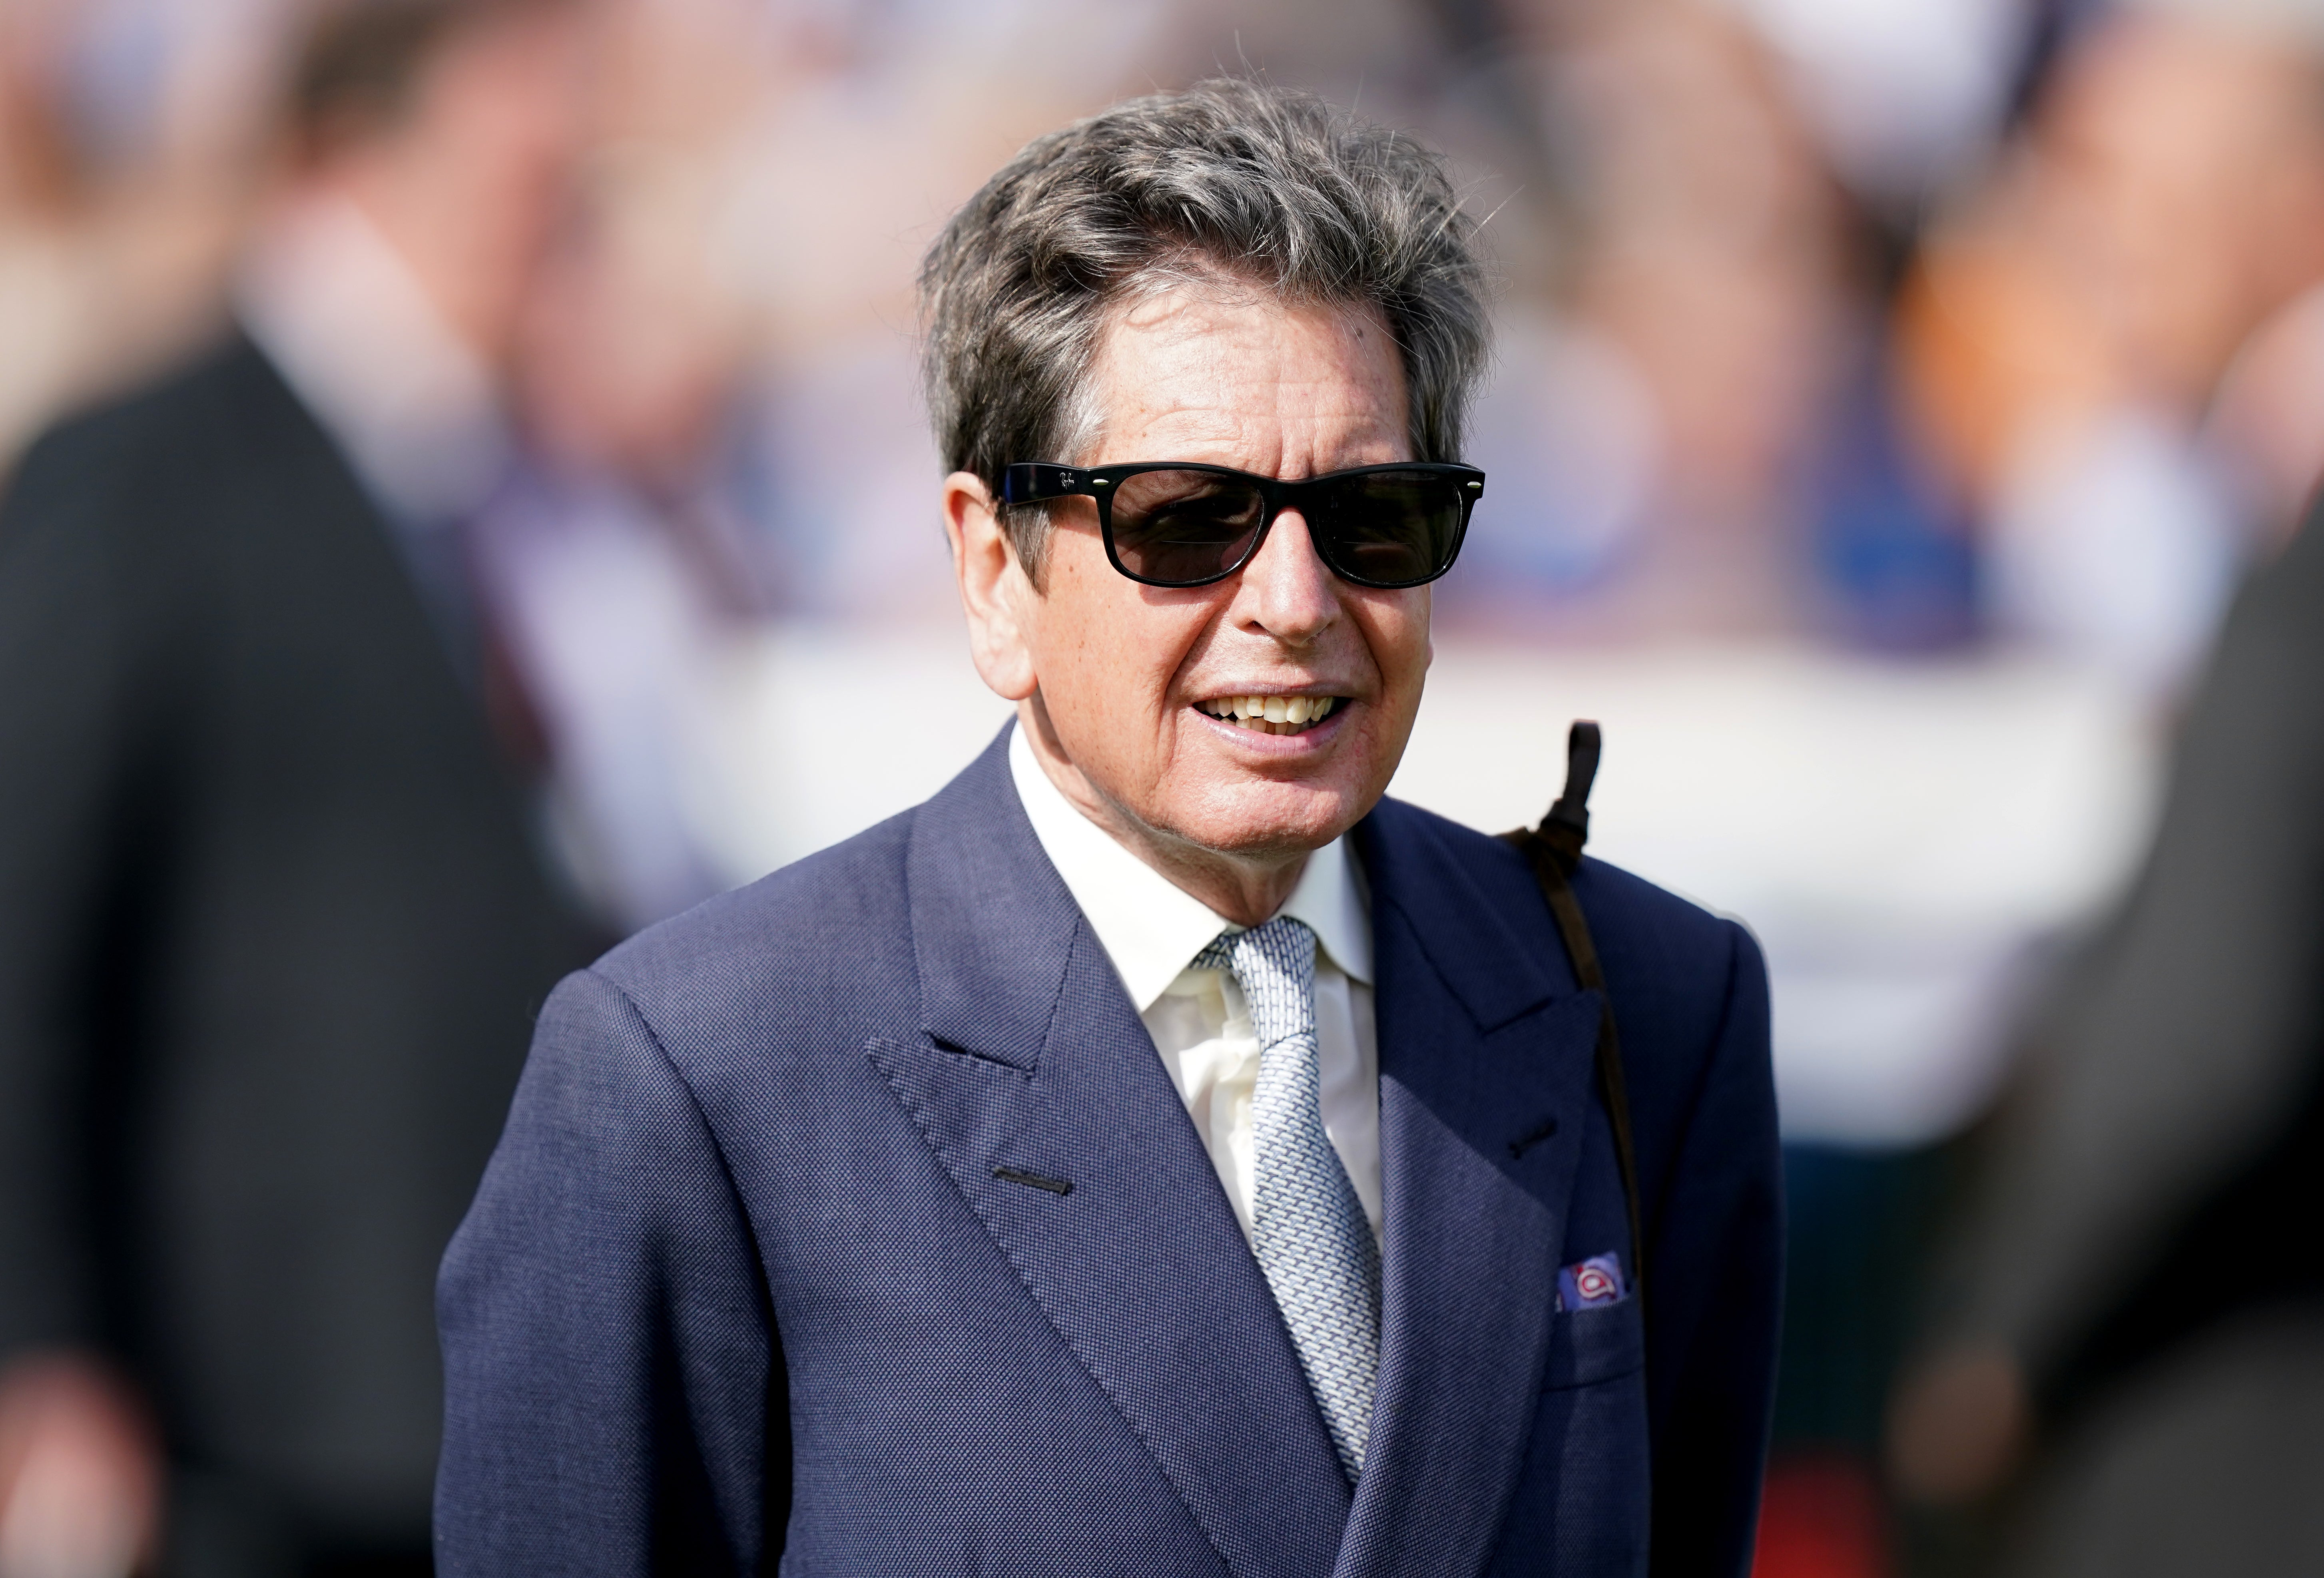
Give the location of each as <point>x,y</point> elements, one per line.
<point>1518,1148</point>
<point>1058,1186</point>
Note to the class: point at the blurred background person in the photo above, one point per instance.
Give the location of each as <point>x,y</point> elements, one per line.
<point>1686,308</point>
<point>275,920</point>
<point>617,556</point>
<point>2114,348</point>
<point>2117,350</point>
<point>1703,408</point>
<point>2139,1297</point>
<point>2113,341</point>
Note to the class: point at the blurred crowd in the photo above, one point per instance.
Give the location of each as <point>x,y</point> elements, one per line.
<point>1903,423</point>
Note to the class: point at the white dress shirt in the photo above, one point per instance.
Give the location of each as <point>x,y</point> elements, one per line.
<point>1151,928</point>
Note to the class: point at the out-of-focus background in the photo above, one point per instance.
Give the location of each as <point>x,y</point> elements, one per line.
<point>1890,398</point>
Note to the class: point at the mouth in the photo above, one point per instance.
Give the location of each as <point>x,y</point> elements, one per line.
<point>1271,715</point>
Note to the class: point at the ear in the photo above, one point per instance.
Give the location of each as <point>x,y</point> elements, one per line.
<point>994,591</point>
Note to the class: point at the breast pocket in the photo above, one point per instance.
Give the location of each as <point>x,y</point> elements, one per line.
<point>1586,1346</point>
<point>1581,1505</point>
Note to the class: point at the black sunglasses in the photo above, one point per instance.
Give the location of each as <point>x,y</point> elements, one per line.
<point>1177,523</point>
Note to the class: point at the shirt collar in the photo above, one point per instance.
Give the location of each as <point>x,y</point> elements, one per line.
<point>1152,928</point>
<point>338,312</point>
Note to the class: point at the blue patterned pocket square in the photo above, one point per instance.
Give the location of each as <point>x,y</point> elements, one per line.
<point>1595,1281</point>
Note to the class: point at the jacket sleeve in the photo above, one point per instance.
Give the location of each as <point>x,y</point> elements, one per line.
<point>81,854</point>
<point>1713,1290</point>
<point>615,1395</point>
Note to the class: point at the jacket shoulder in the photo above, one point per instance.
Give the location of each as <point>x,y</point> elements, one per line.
<point>1620,901</point>
<point>823,931</point>
<point>128,471</point>
<point>1670,964</point>
<point>194,403</point>
<point>1613,898</point>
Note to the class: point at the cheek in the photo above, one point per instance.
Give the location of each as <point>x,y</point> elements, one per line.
<point>1396,629</point>
<point>1105,653</point>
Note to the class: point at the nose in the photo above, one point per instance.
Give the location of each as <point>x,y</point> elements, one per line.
<point>1287,590</point>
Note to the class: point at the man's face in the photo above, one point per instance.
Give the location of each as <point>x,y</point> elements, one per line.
<point>471,184</point>
<point>1133,679</point>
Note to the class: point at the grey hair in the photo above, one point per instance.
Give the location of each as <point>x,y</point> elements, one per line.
<point>1229,181</point>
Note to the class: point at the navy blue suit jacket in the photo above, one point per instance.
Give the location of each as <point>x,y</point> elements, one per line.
<point>746,1279</point>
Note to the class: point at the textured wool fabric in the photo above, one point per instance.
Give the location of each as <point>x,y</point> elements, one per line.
<point>1307,1227</point>
<point>852,1217</point>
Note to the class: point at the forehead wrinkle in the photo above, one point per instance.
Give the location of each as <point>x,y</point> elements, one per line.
<point>1267,406</point>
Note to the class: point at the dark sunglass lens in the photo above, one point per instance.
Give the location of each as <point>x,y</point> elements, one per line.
<point>1178,528</point>
<point>1389,528</point>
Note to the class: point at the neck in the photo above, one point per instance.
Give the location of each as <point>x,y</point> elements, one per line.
<point>1247,890</point>
<point>461,283</point>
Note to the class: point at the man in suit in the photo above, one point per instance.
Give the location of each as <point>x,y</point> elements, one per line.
<point>1158,1152</point>
<point>271,923</point>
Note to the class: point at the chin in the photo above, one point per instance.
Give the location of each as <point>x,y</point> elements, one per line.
<point>1265,819</point>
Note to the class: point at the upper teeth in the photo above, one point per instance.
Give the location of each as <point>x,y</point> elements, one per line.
<point>1273,709</point>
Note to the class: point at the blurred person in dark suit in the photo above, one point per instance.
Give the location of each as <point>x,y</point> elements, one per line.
<point>2140,1291</point>
<point>271,919</point>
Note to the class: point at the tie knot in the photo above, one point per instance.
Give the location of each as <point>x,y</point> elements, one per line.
<point>1275,966</point>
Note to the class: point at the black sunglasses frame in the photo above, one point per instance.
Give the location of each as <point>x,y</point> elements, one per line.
<point>1036,482</point>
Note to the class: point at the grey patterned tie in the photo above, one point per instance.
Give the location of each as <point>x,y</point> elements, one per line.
<point>1307,1226</point>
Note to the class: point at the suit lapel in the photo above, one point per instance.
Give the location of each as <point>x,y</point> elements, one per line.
<point>1486,1056</point>
<point>1039,1089</point>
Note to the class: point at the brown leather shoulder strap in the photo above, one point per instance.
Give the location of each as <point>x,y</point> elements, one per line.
<point>1554,850</point>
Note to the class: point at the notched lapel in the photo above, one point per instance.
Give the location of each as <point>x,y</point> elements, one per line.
<point>992,923</point>
<point>1137,1261</point>
<point>1474,914</point>
<point>1485,1096</point>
